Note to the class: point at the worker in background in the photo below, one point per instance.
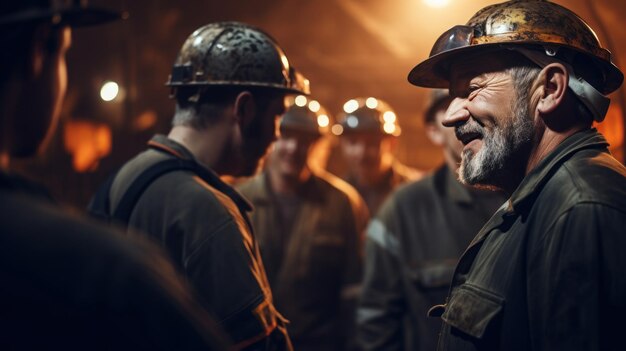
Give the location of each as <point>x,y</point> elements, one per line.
<point>368,131</point>
<point>548,270</point>
<point>309,224</point>
<point>413,244</point>
<point>229,82</point>
<point>67,283</point>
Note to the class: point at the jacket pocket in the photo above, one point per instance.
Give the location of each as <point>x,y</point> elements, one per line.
<point>471,309</point>
<point>434,274</point>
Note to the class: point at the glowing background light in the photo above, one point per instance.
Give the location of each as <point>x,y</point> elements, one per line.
<point>109,91</point>
<point>371,102</point>
<point>323,121</point>
<point>389,128</point>
<point>350,106</point>
<point>437,3</point>
<point>300,100</point>
<point>352,121</point>
<point>389,117</point>
<point>314,106</point>
<point>337,129</point>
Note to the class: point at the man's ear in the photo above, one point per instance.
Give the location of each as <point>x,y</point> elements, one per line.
<point>245,108</point>
<point>553,80</point>
<point>434,134</point>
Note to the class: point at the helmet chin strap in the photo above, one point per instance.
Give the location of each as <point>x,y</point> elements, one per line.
<point>595,102</point>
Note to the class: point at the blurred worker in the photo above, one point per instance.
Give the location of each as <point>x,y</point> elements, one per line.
<point>308,224</point>
<point>67,283</point>
<point>368,131</point>
<point>229,81</point>
<point>548,271</point>
<point>413,244</point>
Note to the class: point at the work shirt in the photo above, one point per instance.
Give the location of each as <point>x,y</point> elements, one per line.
<point>205,229</point>
<point>548,271</point>
<point>412,247</point>
<point>314,263</point>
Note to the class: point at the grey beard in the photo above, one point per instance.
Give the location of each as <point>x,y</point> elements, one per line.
<point>502,151</point>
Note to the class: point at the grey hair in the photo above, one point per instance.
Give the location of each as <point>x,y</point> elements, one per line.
<point>198,116</point>
<point>525,75</point>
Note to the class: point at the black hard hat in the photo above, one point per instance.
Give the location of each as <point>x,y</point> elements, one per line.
<point>74,13</point>
<point>234,54</point>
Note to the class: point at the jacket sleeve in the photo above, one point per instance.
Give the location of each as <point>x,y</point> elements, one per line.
<point>222,262</point>
<point>576,284</point>
<point>381,304</point>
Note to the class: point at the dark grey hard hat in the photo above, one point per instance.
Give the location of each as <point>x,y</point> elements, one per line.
<point>234,54</point>
<point>304,117</point>
<point>367,115</point>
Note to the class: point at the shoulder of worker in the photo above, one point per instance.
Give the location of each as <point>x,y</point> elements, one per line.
<point>58,253</point>
<point>338,187</point>
<point>253,187</point>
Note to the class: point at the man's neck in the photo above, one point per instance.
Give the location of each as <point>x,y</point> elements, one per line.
<point>205,145</point>
<point>548,141</point>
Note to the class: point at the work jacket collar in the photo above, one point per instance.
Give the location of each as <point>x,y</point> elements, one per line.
<point>534,181</point>
<point>164,144</point>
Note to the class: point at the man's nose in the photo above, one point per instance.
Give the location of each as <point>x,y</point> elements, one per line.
<point>456,114</point>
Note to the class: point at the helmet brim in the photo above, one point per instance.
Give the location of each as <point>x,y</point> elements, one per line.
<point>221,84</point>
<point>434,72</point>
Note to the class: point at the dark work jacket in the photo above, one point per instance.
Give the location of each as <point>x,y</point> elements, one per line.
<point>412,247</point>
<point>315,267</point>
<point>67,283</point>
<point>548,271</point>
<point>376,194</point>
<point>205,230</point>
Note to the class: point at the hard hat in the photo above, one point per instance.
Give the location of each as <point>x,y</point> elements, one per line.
<point>73,13</point>
<point>234,54</point>
<point>305,115</point>
<point>526,23</point>
<point>367,115</point>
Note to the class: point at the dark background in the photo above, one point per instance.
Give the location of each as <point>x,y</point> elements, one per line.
<point>347,48</point>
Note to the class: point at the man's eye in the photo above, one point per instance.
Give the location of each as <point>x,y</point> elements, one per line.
<point>472,90</point>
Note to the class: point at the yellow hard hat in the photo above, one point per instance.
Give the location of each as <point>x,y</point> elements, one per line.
<point>518,23</point>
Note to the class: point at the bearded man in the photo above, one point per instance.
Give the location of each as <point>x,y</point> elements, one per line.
<point>547,272</point>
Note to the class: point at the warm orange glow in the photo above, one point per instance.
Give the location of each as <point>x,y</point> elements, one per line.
<point>436,3</point>
<point>147,119</point>
<point>87,142</point>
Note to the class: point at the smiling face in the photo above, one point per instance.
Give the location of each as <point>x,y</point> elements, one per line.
<point>492,121</point>
<point>290,154</point>
<point>367,155</point>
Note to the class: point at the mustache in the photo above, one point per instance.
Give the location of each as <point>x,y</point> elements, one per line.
<point>469,129</point>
